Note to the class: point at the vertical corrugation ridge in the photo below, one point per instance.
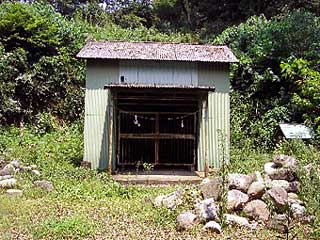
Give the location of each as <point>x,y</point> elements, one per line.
<point>219,120</point>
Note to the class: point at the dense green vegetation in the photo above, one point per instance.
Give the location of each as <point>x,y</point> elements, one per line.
<point>42,97</point>
<point>277,79</point>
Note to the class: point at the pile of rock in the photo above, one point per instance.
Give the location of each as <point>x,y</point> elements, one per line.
<point>252,196</point>
<point>8,181</point>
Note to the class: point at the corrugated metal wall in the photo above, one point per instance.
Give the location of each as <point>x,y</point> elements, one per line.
<point>159,72</point>
<point>218,130</point>
<point>98,103</point>
<point>97,108</point>
<point>218,122</point>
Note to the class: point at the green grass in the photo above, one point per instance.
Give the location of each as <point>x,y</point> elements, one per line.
<point>90,205</point>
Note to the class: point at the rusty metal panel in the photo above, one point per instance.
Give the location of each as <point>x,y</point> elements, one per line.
<point>218,121</point>
<point>157,51</point>
<point>97,106</point>
<point>160,73</point>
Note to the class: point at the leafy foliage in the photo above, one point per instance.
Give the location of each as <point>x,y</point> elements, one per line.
<point>306,97</point>
<point>38,69</point>
<point>258,84</point>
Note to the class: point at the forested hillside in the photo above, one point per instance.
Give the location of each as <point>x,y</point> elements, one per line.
<point>45,194</point>
<point>277,42</point>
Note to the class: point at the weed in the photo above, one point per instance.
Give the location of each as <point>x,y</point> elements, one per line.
<point>73,227</point>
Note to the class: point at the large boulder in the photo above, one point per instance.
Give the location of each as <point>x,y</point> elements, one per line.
<point>44,185</point>
<point>8,183</point>
<point>207,210</point>
<point>236,200</point>
<point>211,188</point>
<point>235,220</point>
<point>279,173</point>
<point>279,196</point>
<point>240,182</point>
<point>212,226</point>
<point>9,169</point>
<point>186,220</point>
<point>257,210</point>
<point>285,161</point>
<point>256,190</point>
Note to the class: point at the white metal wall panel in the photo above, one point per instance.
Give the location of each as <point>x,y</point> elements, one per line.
<point>159,72</point>
<point>97,104</point>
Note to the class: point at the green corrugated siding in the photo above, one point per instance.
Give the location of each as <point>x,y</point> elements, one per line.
<point>98,103</point>
<point>218,115</point>
<point>97,107</point>
<point>218,121</point>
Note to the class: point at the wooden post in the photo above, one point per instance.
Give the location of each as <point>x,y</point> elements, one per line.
<point>206,166</point>
<point>110,137</point>
<point>157,141</point>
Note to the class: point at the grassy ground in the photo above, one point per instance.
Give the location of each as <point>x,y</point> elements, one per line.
<point>89,205</point>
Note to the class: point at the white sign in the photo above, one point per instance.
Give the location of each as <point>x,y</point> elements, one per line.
<point>296,131</point>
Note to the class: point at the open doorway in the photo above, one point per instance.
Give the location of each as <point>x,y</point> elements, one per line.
<point>157,126</point>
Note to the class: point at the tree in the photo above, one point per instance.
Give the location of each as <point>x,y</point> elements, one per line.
<point>38,70</point>
<point>265,96</point>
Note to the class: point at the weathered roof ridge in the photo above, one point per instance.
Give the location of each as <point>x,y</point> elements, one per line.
<point>157,51</point>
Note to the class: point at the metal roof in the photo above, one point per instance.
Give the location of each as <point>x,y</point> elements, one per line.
<point>144,86</point>
<point>157,51</point>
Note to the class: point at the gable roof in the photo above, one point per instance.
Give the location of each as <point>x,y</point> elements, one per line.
<point>157,51</point>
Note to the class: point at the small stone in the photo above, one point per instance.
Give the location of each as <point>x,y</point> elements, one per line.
<point>25,168</point>
<point>280,183</point>
<point>298,212</point>
<point>279,196</point>
<point>294,186</point>
<point>8,183</point>
<point>240,182</point>
<point>14,192</point>
<point>238,221</point>
<point>256,190</point>
<point>45,185</point>
<point>294,198</point>
<point>276,173</point>
<point>9,169</point>
<point>15,163</point>
<point>170,201</point>
<point>33,166</point>
<point>207,210</point>
<point>236,200</point>
<point>281,160</point>
<point>35,172</point>
<point>212,226</point>
<point>186,220</point>
<point>211,188</point>
<point>5,177</point>
<point>259,177</point>
<point>257,210</point>
<point>279,222</point>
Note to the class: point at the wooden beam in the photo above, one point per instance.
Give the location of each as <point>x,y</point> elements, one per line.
<point>110,137</point>
<point>156,136</point>
<point>206,166</point>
